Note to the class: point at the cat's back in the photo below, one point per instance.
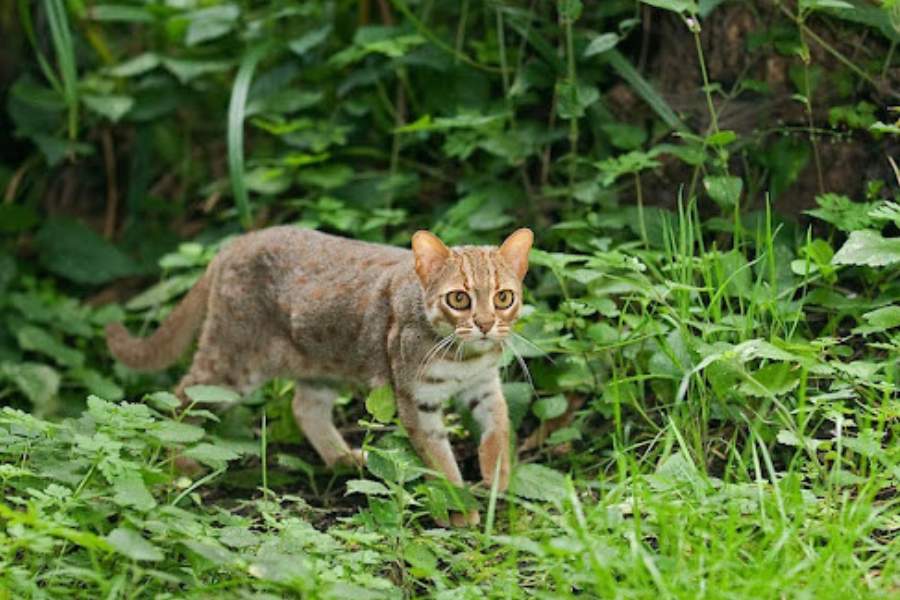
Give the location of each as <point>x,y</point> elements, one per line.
<point>287,248</point>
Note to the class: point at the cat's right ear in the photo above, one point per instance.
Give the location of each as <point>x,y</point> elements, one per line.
<point>430,253</point>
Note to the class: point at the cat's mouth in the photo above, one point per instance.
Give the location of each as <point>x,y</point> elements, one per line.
<point>479,340</point>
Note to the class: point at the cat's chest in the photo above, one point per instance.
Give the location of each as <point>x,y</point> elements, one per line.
<point>444,378</point>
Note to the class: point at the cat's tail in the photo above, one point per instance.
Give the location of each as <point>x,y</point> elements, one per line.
<point>168,342</point>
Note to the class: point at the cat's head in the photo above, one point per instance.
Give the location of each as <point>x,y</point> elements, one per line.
<point>473,291</point>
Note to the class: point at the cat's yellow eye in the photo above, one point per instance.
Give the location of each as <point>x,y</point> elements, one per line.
<point>504,299</point>
<point>458,300</point>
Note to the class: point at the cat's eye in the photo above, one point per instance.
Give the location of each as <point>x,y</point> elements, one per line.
<point>504,299</point>
<point>458,300</point>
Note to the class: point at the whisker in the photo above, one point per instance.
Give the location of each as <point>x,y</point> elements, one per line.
<point>524,339</point>
<point>444,342</point>
<point>523,366</point>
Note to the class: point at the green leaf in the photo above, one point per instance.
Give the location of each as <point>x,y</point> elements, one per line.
<point>381,403</point>
<point>772,380</point>
<point>186,70</point>
<point>212,455</point>
<point>138,65</point>
<point>119,13</point>
<point>420,557</point>
<point>111,106</point>
<point>725,190</point>
<point>868,248</point>
<point>162,292</point>
<point>309,40</point>
<point>675,471</point>
<point>162,400</point>
<point>569,10</point>
<point>679,6</point>
<point>212,394</point>
<point>74,252</point>
<point>98,384</point>
<point>211,23</point>
<point>175,432</point>
<point>39,383</point>
<point>367,487</point>
<point>549,408</point>
<point>537,482</point>
<point>601,43</point>
<point>572,99</point>
<point>721,138</point>
<point>129,542</point>
<point>880,319</point>
<point>131,491</point>
<point>37,340</point>
<point>842,212</point>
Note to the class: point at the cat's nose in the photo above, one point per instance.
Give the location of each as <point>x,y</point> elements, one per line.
<point>485,325</point>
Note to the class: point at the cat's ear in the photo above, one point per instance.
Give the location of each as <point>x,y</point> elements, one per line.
<point>430,253</point>
<point>515,250</point>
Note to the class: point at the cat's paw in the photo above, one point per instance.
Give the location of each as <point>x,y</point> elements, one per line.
<point>462,519</point>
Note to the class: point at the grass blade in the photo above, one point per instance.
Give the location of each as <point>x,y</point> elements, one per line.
<point>65,57</point>
<point>643,89</point>
<point>236,111</point>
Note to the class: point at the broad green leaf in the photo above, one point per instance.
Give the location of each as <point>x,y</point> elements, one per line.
<point>163,400</point>
<point>880,319</point>
<point>175,432</point>
<point>98,384</point>
<point>868,248</point>
<point>601,43</point>
<point>381,404</point>
<point>210,550</point>
<point>212,394</point>
<point>187,70</point>
<point>367,487</point>
<point>773,379</point>
<point>74,252</point>
<point>212,455</point>
<point>549,408</point>
<point>119,13</point>
<point>309,40</point>
<point>162,292</point>
<point>537,482</point>
<point>679,6</point>
<point>38,340</point>
<point>420,557</point>
<point>210,23</point>
<point>111,106</point>
<point>867,443</point>
<point>725,190</point>
<point>131,491</point>
<point>676,470</point>
<point>130,543</point>
<point>842,212</point>
<point>572,99</point>
<point>138,65</point>
<point>39,383</point>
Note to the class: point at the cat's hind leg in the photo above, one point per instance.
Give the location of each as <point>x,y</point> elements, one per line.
<point>312,408</point>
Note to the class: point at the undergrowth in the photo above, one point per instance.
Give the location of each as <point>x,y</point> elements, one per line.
<point>711,323</point>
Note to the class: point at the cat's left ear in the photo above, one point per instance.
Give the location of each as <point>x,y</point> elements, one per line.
<point>515,250</point>
<point>430,253</point>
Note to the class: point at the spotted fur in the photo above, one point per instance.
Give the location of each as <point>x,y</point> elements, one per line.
<point>287,302</point>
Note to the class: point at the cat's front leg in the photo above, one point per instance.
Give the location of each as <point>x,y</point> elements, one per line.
<point>421,413</point>
<point>488,406</point>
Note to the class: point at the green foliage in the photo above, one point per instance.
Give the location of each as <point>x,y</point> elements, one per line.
<point>738,369</point>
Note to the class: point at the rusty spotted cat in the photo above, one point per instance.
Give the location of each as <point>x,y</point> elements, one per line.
<point>300,304</point>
